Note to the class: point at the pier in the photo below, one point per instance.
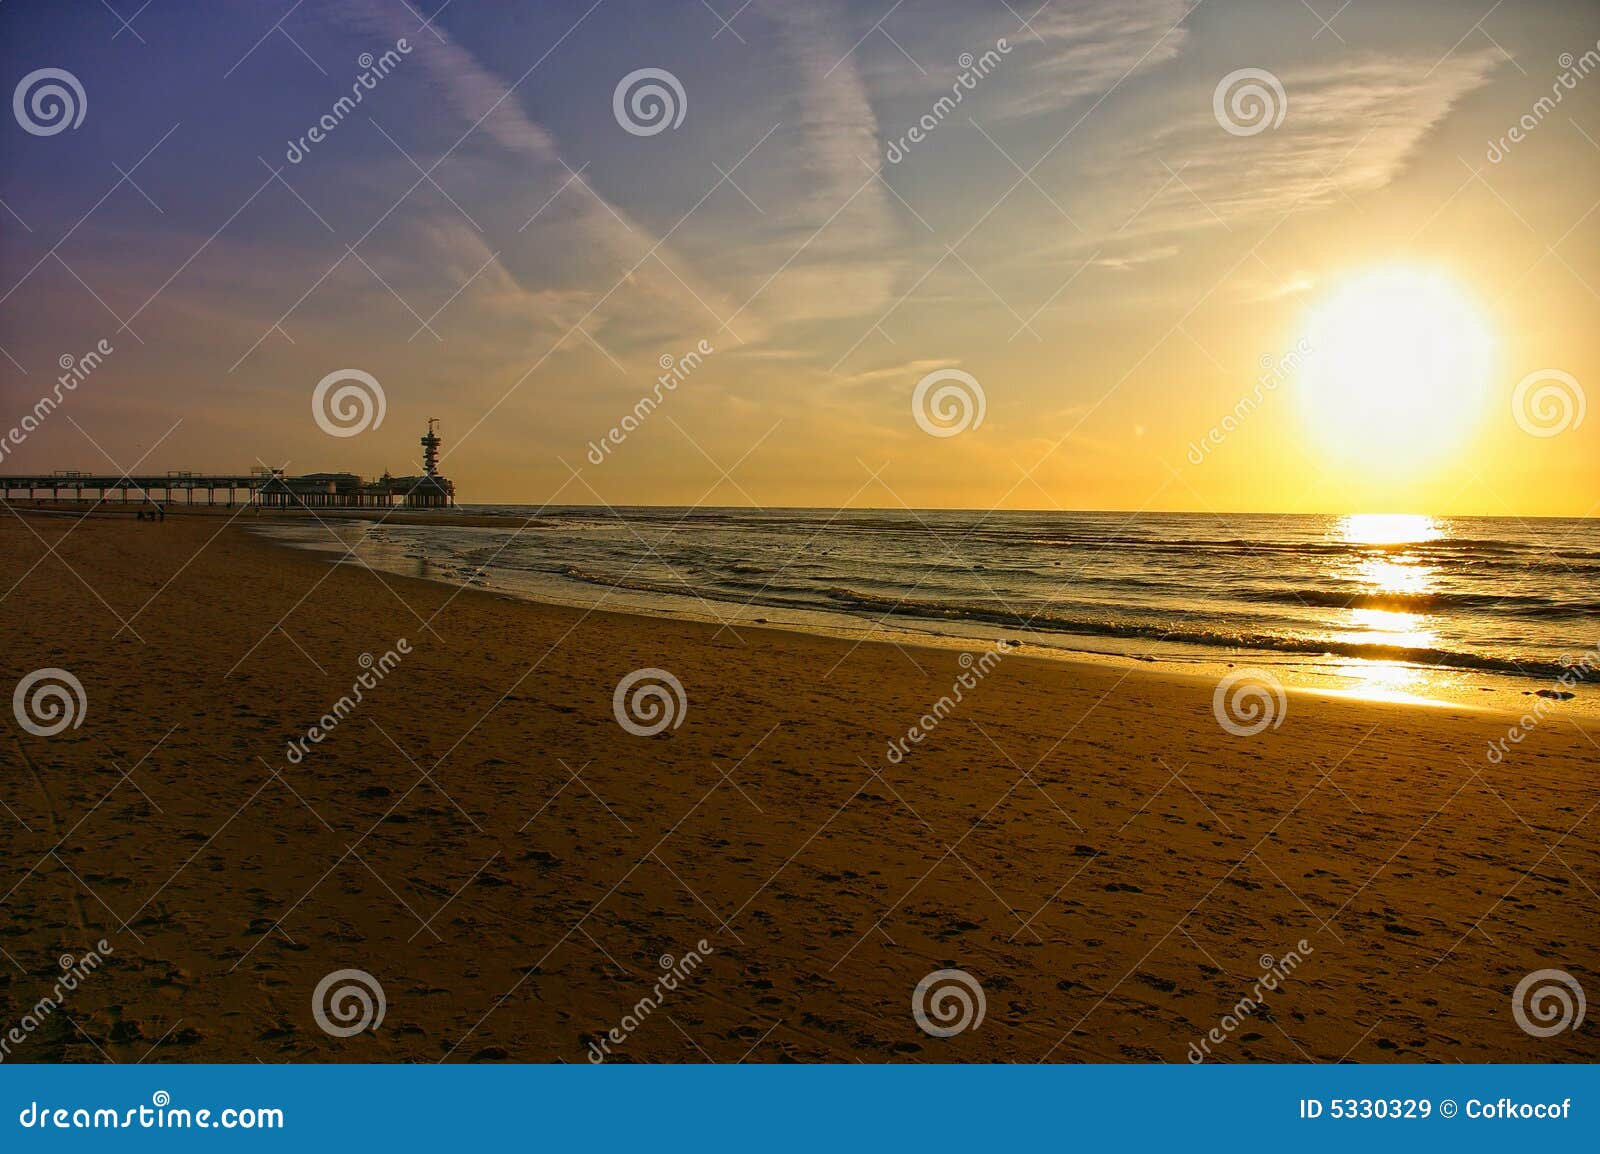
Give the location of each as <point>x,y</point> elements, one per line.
<point>266,488</point>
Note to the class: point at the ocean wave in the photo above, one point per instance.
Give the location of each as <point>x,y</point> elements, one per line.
<point>1499,596</point>
<point>1529,605</point>
<point>1196,634</point>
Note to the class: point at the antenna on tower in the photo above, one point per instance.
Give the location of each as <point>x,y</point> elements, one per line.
<point>430,449</point>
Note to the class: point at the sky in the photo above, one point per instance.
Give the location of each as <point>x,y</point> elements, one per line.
<point>1096,281</point>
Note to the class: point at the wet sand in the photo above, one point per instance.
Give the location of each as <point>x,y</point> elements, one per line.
<point>482,837</point>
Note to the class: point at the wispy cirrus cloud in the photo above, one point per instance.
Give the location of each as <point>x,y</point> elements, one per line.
<point>666,297</point>
<point>837,225</point>
<point>1152,200</point>
<point>1347,130</point>
<point>1088,47</point>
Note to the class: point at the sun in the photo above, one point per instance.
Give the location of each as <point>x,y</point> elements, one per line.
<point>1398,368</point>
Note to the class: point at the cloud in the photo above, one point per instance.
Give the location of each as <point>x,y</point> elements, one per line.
<point>666,298</point>
<point>1134,258</point>
<point>905,372</point>
<point>1348,130</point>
<point>836,120</point>
<point>1089,46</point>
<point>838,214</point>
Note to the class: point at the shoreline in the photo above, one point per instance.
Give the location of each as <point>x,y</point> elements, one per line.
<point>1327,673</point>
<point>484,838</point>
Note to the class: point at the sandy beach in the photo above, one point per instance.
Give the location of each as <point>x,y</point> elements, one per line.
<point>517,871</point>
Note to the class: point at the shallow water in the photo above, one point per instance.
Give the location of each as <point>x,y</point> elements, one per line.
<point>1377,595</point>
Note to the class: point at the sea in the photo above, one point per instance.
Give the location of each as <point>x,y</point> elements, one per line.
<point>1402,606</point>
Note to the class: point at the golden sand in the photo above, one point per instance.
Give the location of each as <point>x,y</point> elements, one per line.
<point>482,837</point>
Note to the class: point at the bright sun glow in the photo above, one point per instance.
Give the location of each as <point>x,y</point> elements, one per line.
<point>1398,369</point>
<point>1388,528</point>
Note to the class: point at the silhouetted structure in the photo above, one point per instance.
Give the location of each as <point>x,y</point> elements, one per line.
<point>265,487</point>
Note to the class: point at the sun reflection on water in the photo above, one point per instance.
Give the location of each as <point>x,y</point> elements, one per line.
<point>1375,575</point>
<point>1384,681</point>
<point>1388,528</point>
<point>1387,627</point>
<point>1390,575</point>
